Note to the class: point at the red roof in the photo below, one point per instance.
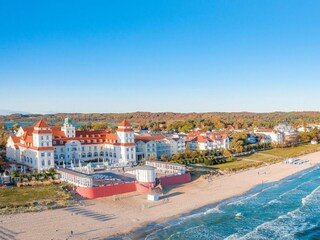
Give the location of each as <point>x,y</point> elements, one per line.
<point>41,124</point>
<point>125,123</point>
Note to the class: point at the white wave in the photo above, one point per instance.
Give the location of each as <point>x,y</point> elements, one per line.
<point>310,197</point>
<point>245,198</point>
<point>266,225</point>
<point>183,219</point>
<point>274,201</point>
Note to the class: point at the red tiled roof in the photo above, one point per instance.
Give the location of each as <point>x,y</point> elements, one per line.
<point>15,139</point>
<point>28,130</point>
<point>41,124</point>
<point>191,139</point>
<point>124,123</point>
<point>218,136</point>
<point>203,139</point>
<point>111,136</point>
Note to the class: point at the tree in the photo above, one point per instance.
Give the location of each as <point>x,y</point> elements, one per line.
<point>99,126</point>
<point>15,127</point>
<point>164,158</point>
<point>238,141</point>
<point>304,136</point>
<point>226,153</point>
<point>152,157</point>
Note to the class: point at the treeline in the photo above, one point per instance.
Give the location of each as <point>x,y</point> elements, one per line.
<point>178,121</point>
<point>212,157</point>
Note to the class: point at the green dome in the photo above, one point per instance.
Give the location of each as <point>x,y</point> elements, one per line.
<point>68,121</point>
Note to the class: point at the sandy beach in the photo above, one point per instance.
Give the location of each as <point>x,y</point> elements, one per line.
<point>104,217</point>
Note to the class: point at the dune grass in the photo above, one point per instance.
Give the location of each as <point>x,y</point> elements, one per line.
<point>29,196</point>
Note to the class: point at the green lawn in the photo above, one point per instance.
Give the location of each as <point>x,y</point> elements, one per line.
<point>27,196</point>
<point>293,151</point>
<point>266,157</point>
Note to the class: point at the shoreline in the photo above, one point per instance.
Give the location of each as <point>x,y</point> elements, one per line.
<point>104,218</point>
<point>143,232</point>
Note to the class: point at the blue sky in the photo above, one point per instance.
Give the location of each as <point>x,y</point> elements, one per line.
<point>180,56</point>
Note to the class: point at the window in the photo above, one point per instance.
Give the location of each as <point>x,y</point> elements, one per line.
<point>82,148</point>
<point>42,162</point>
<point>42,154</point>
<point>49,162</point>
<point>48,144</point>
<point>49,154</point>
<point>54,142</point>
<point>41,137</point>
<point>47,137</point>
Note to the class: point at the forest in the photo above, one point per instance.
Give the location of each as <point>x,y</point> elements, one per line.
<point>176,121</point>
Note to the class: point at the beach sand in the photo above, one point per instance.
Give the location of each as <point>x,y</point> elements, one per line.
<point>104,217</point>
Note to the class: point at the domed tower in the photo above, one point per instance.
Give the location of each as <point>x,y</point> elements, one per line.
<point>125,138</point>
<point>68,129</point>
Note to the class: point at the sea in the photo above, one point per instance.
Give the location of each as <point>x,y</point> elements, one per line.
<point>287,209</point>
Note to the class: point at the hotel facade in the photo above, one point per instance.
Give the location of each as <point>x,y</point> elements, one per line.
<point>42,147</point>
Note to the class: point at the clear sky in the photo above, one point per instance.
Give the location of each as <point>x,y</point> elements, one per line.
<point>181,56</point>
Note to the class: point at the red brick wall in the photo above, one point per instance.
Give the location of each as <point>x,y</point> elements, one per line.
<point>106,191</point>
<point>173,180</point>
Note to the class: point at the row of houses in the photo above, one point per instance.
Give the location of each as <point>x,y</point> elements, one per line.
<point>41,147</point>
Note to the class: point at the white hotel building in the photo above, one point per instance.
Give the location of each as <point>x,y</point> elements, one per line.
<point>42,146</point>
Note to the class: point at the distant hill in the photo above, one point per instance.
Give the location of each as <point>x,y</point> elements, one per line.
<point>242,118</point>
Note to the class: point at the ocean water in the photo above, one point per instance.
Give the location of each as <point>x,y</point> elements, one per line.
<point>288,209</point>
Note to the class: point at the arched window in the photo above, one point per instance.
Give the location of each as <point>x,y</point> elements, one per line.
<point>101,154</point>
<point>83,155</point>
<point>95,154</point>
<point>89,154</point>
